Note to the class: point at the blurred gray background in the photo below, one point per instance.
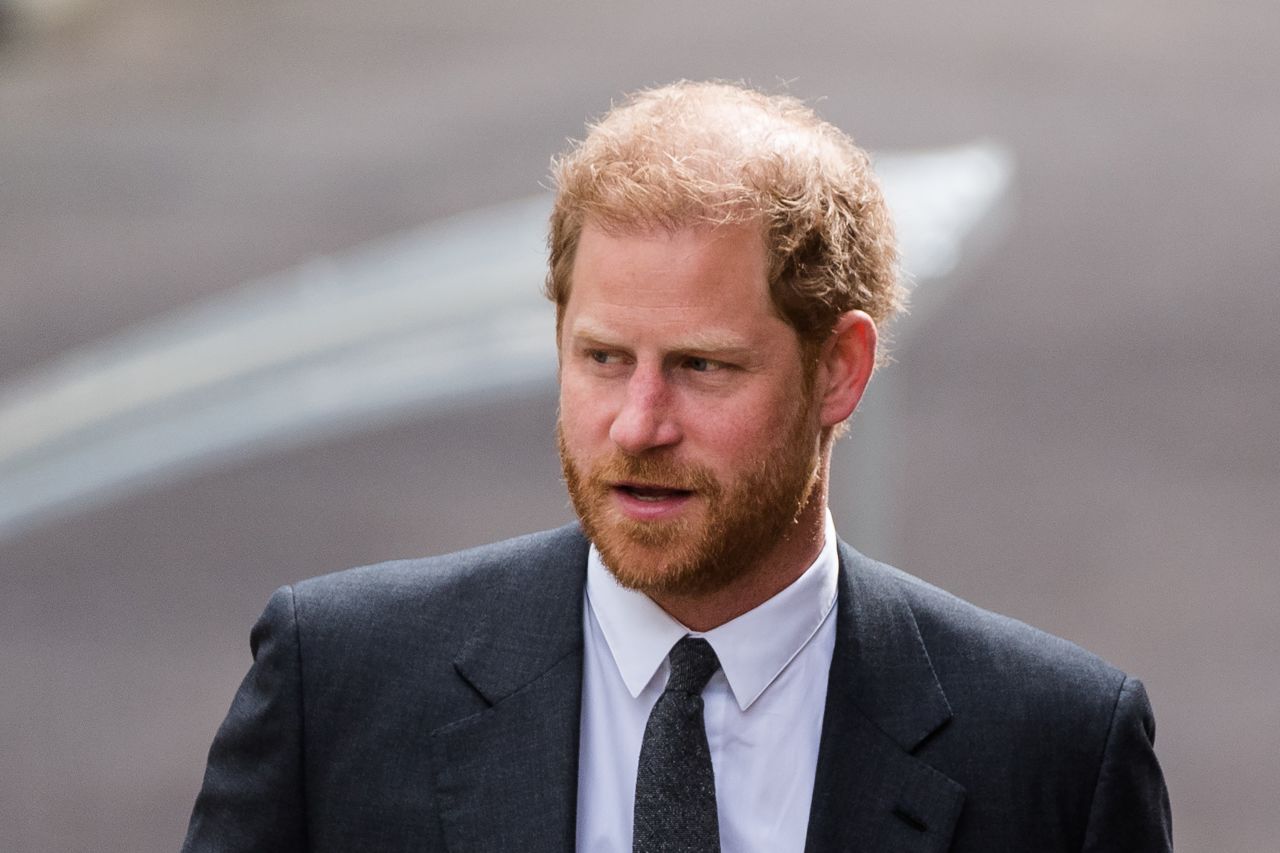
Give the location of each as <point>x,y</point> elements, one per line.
<point>1080,428</point>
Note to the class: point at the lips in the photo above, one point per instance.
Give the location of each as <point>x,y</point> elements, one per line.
<point>651,493</point>
<point>648,502</point>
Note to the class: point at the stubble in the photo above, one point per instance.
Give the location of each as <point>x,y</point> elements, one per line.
<point>700,552</point>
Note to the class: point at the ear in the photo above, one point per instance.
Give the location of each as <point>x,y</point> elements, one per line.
<point>845,365</point>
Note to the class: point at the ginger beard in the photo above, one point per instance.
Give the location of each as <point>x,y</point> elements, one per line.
<point>736,523</point>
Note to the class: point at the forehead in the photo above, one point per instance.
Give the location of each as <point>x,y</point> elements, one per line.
<point>712,275</point>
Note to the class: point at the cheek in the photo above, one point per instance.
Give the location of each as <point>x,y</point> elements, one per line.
<point>728,436</point>
<point>583,414</point>
<point>740,433</point>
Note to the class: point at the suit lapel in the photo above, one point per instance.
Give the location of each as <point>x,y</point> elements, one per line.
<point>508,775</point>
<point>883,701</point>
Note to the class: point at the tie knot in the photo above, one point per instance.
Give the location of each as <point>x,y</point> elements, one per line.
<point>693,662</point>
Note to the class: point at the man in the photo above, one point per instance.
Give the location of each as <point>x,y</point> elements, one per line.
<point>701,664</point>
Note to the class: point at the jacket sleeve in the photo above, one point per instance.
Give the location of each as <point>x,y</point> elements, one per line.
<point>1130,810</point>
<point>252,797</point>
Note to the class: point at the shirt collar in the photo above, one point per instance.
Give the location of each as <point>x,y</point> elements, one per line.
<point>753,649</point>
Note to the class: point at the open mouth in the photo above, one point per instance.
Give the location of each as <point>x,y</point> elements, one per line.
<point>651,494</point>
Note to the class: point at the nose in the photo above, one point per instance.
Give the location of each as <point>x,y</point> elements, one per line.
<point>646,420</point>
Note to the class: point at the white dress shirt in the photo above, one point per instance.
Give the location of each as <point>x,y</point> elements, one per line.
<point>763,709</point>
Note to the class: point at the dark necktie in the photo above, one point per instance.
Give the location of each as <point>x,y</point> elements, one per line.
<point>675,789</point>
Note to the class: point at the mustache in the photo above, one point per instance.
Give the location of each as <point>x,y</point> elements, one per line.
<point>657,471</point>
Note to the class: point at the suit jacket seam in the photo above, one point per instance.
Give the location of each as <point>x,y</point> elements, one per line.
<point>296,615</point>
<point>1102,761</point>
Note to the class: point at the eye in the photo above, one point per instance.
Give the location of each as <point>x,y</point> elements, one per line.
<point>604,357</point>
<point>699,364</point>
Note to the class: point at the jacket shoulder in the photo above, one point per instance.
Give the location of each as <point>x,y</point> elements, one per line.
<point>984,647</point>
<point>459,575</point>
<point>436,600</point>
<point>1052,744</point>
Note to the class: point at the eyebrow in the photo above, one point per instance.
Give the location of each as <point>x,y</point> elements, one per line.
<point>707,341</point>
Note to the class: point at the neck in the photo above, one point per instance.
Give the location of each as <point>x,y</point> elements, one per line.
<point>773,572</point>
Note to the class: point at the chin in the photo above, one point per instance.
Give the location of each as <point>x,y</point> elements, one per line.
<point>653,559</point>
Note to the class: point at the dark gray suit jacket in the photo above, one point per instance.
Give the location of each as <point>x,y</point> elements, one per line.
<point>433,705</point>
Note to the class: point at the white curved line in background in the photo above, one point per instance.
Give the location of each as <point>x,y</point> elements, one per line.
<point>444,313</point>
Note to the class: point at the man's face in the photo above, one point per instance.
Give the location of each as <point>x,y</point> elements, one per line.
<point>687,432</point>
